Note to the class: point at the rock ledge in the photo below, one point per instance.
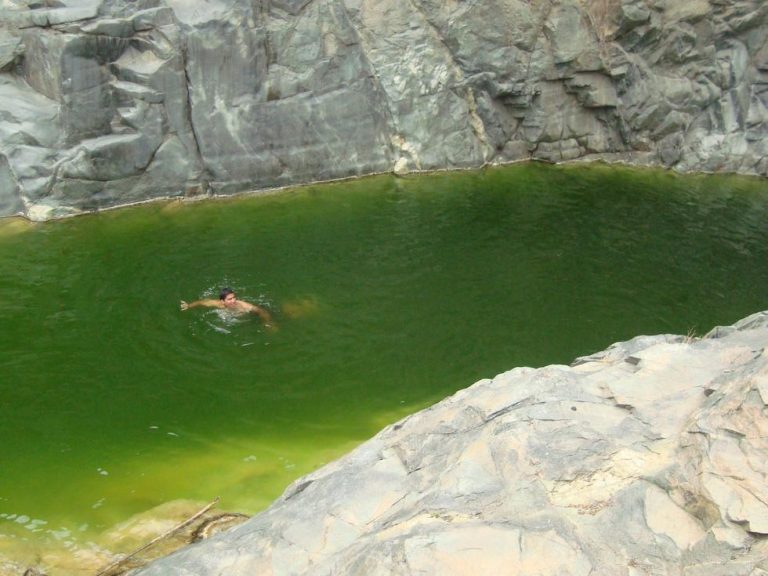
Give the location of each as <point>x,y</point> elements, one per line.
<point>650,457</point>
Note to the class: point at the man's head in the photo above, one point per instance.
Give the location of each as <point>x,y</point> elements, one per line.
<point>227,295</point>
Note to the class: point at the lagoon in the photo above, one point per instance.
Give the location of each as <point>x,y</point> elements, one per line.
<point>390,293</point>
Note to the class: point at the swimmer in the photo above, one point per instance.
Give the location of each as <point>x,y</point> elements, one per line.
<point>228,301</point>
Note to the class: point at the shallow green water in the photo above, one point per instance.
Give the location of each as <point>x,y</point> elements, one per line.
<point>390,294</point>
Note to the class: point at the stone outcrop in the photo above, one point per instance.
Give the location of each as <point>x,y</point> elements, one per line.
<point>109,102</point>
<point>648,458</point>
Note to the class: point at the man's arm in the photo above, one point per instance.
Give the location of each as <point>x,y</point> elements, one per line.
<point>265,316</point>
<point>206,303</point>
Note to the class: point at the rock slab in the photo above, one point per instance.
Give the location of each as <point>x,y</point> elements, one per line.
<point>109,102</point>
<point>648,458</point>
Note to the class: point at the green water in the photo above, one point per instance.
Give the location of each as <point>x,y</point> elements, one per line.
<point>390,293</point>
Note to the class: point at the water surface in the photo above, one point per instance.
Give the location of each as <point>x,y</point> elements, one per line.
<point>390,293</point>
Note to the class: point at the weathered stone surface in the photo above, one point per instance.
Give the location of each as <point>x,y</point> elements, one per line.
<point>10,201</point>
<point>10,48</point>
<point>647,458</point>
<point>266,94</point>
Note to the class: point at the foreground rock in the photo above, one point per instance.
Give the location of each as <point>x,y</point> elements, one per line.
<point>648,458</point>
<point>108,102</point>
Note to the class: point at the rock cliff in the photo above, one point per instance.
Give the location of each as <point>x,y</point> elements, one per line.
<point>648,458</point>
<point>108,102</point>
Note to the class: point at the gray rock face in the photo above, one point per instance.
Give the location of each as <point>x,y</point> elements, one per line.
<point>130,100</point>
<point>647,458</point>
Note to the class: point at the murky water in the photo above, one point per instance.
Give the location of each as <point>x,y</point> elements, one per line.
<point>390,293</point>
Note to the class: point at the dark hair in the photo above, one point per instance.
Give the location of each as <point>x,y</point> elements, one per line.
<point>225,292</point>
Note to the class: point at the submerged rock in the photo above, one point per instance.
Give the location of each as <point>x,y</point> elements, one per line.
<point>144,537</point>
<point>647,458</point>
<point>109,102</point>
